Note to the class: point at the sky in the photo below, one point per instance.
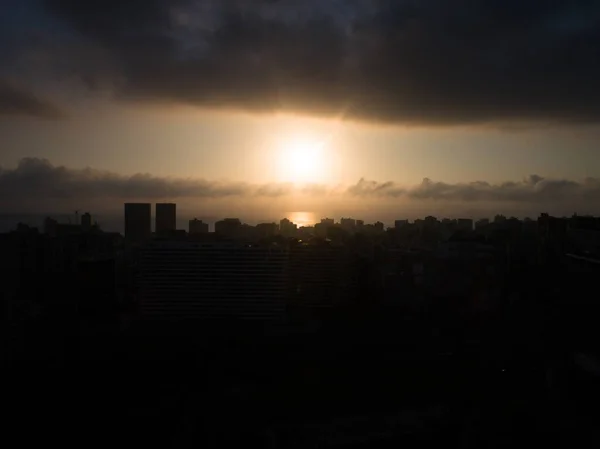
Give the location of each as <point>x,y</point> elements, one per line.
<point>376,108</point>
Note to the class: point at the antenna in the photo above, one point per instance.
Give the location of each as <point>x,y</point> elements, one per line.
<point>76,217</point>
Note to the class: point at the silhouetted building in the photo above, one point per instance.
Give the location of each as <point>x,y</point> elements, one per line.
<point>265,230</point>
<point>50,226</point>
<point>482,224</point>
<point>552,227</point>
<point>97,290</point>
<point>185,280</point>
<point>584,240</point>
<point>86,222</point>
<point>305,232</point>
<point>400,224</point>
<point>138,221</point>
<point>65,229</point>
<point>45,270</point>
<point>229,227</point>
<point>552,232</point>
<point>464,224</point>
<point>318,275</point>
<point>287,228</point>
<point>197,227</point>
<point>321,229</point>
<point>430,222</point>
<point>348,224</point>
<point>166,218</point>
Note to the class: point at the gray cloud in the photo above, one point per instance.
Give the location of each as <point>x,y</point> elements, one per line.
<point>533,189</point>
<point>374,188</point>
<point>40,181</point>
<point>35,177</point>
<point>427,62</point>
<point>17,101</point>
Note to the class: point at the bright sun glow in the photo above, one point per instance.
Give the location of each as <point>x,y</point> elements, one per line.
<point>302,161</point>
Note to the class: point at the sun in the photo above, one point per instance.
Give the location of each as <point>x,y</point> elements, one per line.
<point>302,161</point>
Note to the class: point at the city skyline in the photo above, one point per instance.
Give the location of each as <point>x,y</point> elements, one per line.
<point>138,222</point>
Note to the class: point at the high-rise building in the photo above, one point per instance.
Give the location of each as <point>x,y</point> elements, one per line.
<point>50,225</point>
<point>287,228</point>
<point>197,227</point>
<point>465,224</point>
<point>266,230</point>
<point>138,221</point>
<point>228,227</point>
<point>482,224</point>
<point>186,280</point>
<point>399,224</point>
<point>322,228</point>
<point>318,275</point>
<point>86,221</point>
<point>348,224</point>
<point>166,217</point>
<point>95,282</point>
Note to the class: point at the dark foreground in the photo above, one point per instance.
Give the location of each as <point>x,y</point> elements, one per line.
<point>522,376</point>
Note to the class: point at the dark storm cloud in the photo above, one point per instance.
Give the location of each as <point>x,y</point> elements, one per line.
<point>17,101</point>
<point>400,61</point>
<point>40,180</point>
<point>35,177</point>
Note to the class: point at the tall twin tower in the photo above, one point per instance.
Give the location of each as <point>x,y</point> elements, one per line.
<point>138,219</point>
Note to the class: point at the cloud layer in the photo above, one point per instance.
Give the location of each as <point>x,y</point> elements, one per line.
<point>40,181</point>
<point>533,189</point>
<point>429,62</point>
<point>38,178</point>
